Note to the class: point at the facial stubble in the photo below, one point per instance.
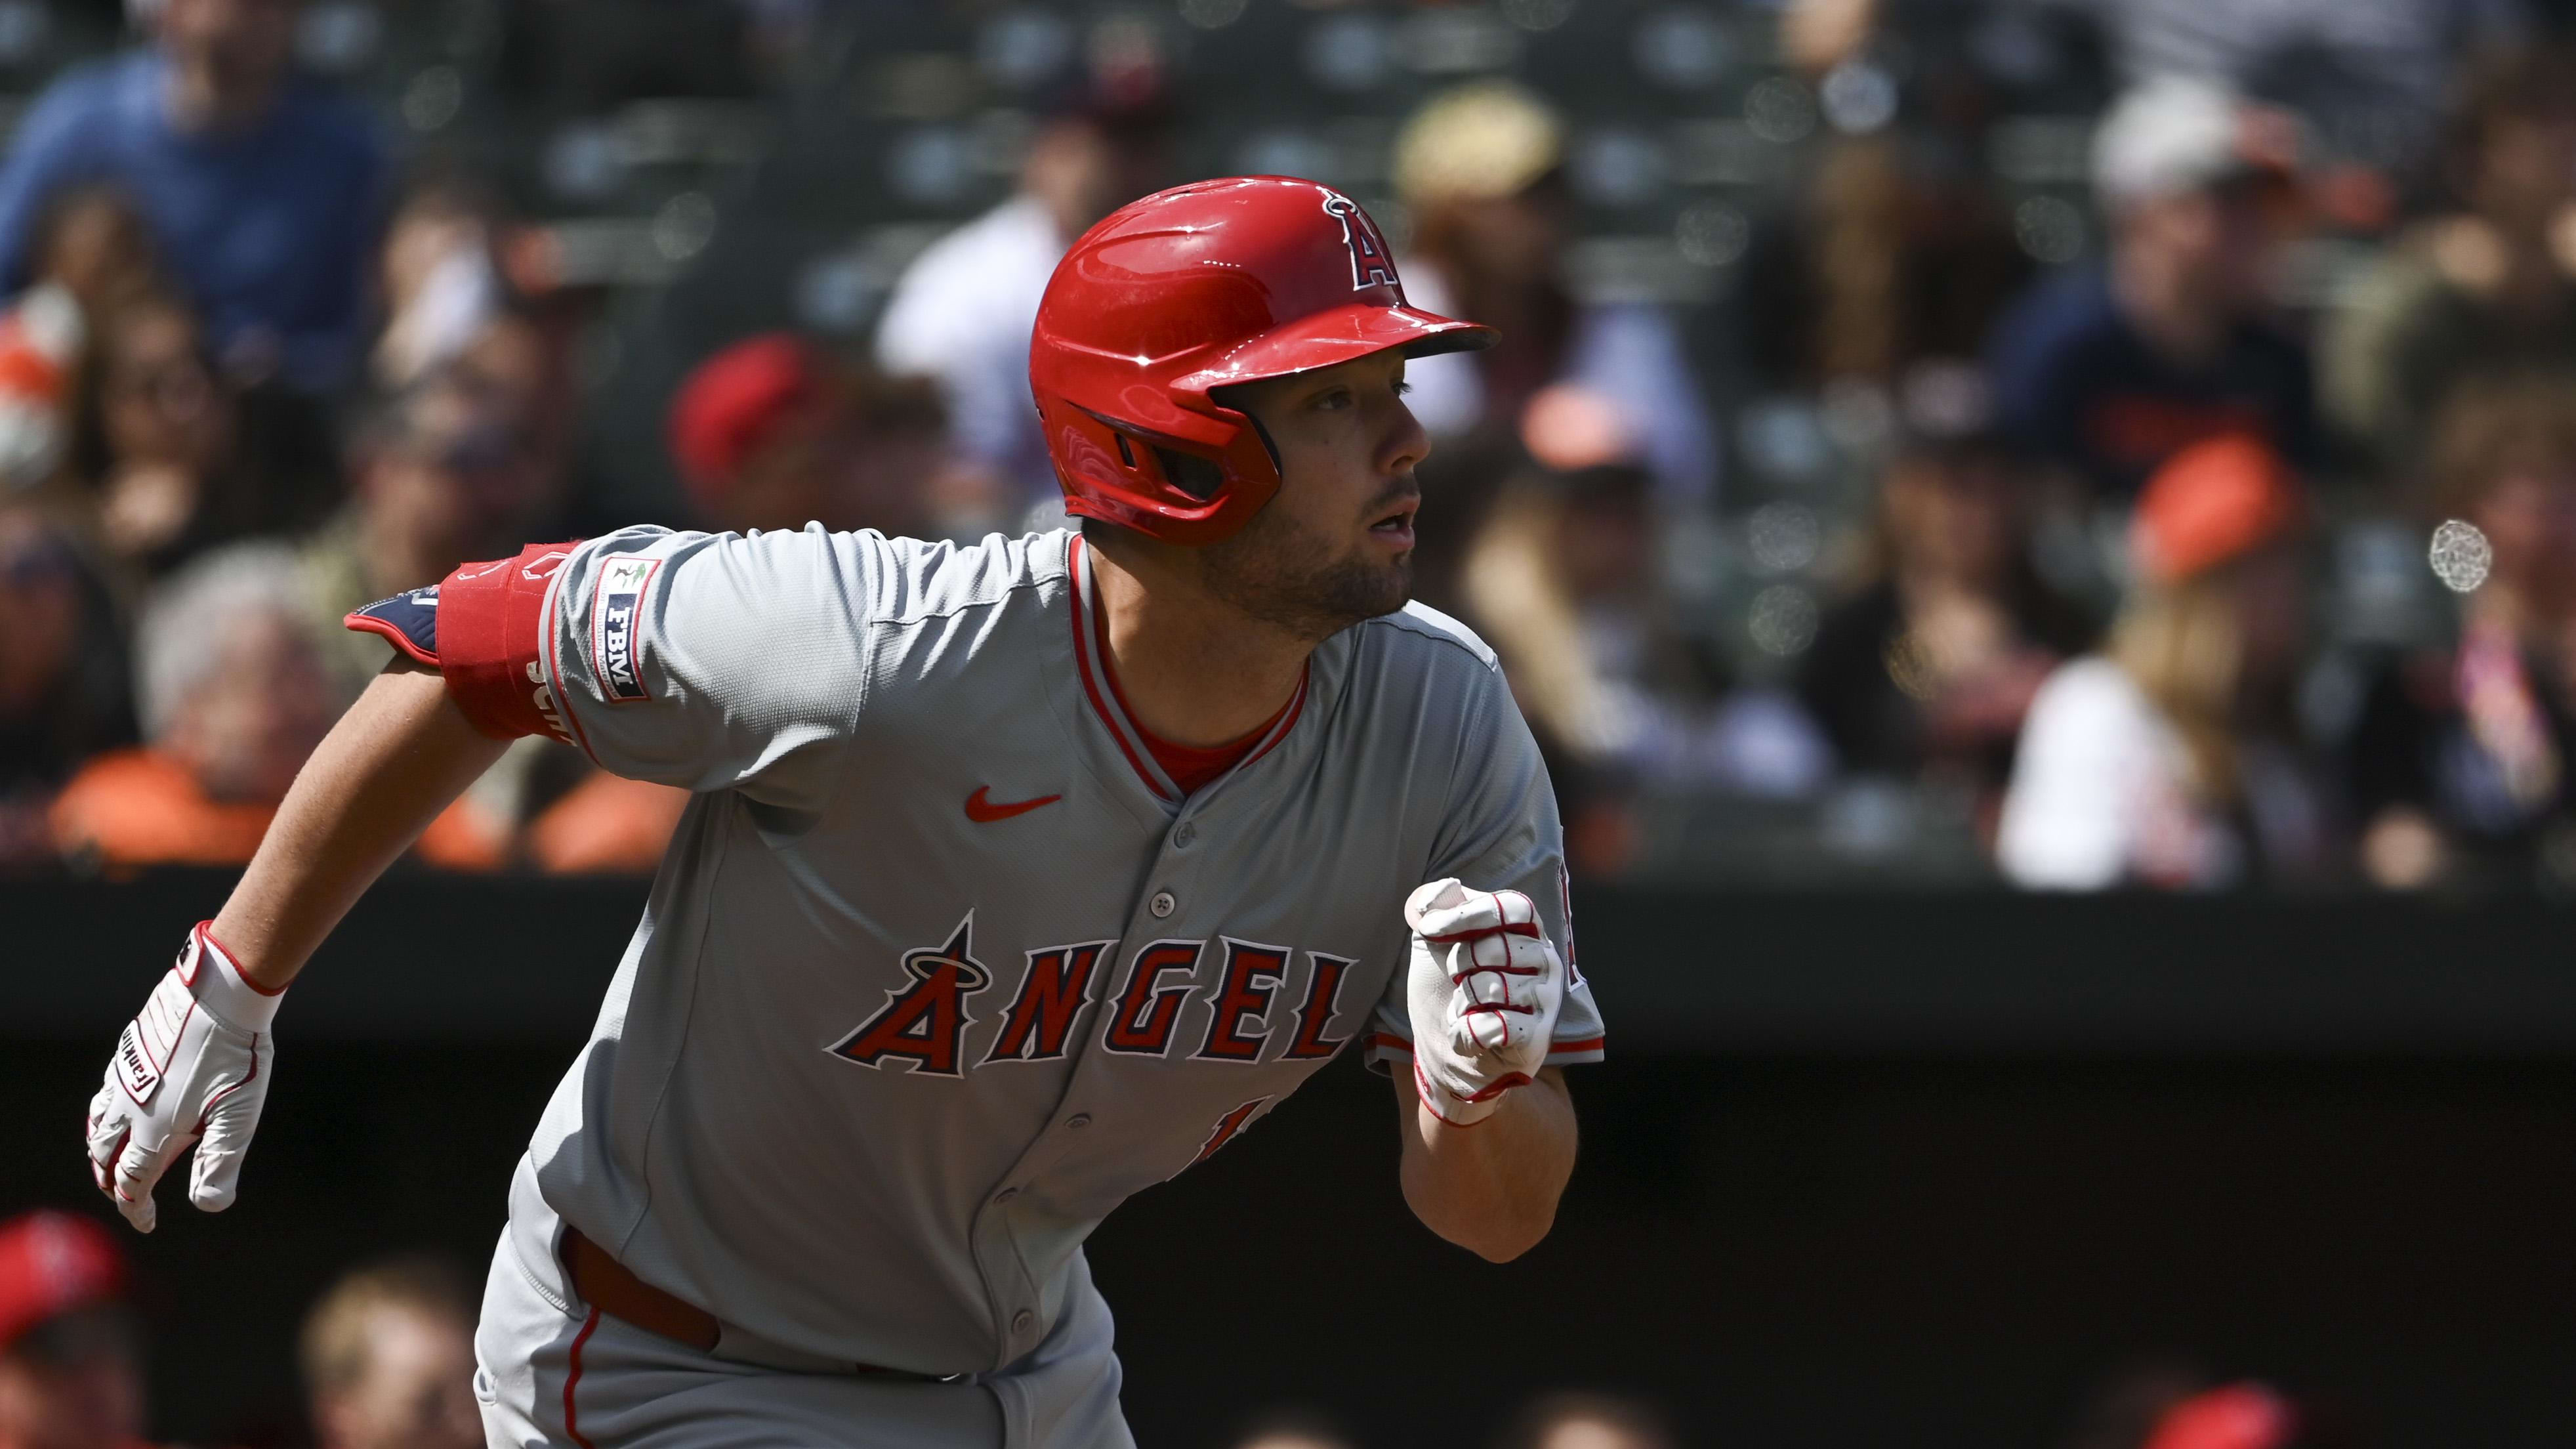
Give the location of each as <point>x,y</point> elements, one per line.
<point>1277,571</point>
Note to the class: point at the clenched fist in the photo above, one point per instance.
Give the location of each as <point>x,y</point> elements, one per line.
<point>1484,988</point>
<point>194,1066</point>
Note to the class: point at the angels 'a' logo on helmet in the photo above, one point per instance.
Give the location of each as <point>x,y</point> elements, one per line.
<point>1372,265</point>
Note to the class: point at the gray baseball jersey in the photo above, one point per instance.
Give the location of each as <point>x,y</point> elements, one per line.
<point>940,966</point>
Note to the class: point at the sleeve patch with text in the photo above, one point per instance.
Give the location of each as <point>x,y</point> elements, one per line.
<point>617,606</point>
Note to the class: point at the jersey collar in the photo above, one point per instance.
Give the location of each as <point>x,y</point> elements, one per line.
<point>1091,662</point>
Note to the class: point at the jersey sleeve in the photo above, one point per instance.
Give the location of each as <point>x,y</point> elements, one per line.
<point>703,661</point>
<point>1501,833</point>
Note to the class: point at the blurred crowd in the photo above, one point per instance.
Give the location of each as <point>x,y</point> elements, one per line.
<point>386,1361</point>
<point>386,1354</point>
<point>2211,523</point>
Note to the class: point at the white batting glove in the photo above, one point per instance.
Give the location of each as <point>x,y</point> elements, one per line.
<point>1484,988</point>
<point>195,1064</point>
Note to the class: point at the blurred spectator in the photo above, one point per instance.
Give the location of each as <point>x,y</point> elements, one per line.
<point>261,187</point>
<point>233,696</point>
<point>518,364</point>
<point>441,288</point>
<point>2235,1416</point>
<point>159,452</point>
<point>447,471</point>
<point>1480,168</point>
<point>1587,1421</point>
<point>442,474</point>
<point>2107,371</point>
<point>771,434</point>
<point>2368,74</point>
<point>2489,288</point>
<point>751,427</point>
<point>2172,1406</point>
<point>603,824</point>
<point>1927,668</point>
<point>388,1359</point>
<point>2246,1415</point>
<point>962,312</point>
<point>70,1370</point>
<point>1887,262</point>
<point>1895,248</point>
<point>2459,765</point>
<point>1559,577</point>
<point>2167,759</point>
<point>90,257</point>
<point>1952,55</point>
<point>63,685</point>
<point>894,471</point>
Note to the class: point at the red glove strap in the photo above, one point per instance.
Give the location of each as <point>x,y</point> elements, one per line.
<point>491,628</point>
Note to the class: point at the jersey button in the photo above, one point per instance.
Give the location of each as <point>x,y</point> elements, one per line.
<point>1182,837</point>
<point>1078,1121</point>
<point>1162,904</point>
<point>1023,1321</point>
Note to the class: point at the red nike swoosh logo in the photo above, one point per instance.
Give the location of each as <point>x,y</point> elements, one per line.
<point>981,809</point>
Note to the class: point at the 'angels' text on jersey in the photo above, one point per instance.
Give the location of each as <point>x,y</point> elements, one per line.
<point>1251,1013</point>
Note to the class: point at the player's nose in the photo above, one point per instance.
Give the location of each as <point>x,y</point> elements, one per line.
<point>1405,443</point>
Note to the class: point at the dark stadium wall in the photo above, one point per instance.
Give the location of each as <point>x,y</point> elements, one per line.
<point>1889,1204</point>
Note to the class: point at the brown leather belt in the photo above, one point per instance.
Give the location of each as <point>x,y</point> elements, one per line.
<point>605,1284</point>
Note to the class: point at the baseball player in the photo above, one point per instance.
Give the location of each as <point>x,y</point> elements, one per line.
<point>1019,877</point>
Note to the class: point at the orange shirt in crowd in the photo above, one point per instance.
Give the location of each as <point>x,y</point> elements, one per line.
<point>606,823</point>
<point>602,825</point>
<point>136,808</point>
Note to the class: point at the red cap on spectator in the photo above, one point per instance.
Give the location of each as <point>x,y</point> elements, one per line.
<point>52,1263</point>
<point>2237,1416</point>
<point>2216,500</point>
<point>733,403</point>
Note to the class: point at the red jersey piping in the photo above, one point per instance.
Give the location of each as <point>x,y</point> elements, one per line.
<point>1082,661</point>
<point>1122,720</point>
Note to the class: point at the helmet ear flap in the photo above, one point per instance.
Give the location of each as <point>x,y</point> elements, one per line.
<point>1194,475</point>
<point>1230,399</point>
<point>1198,477</point>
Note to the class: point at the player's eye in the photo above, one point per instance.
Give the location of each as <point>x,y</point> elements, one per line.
<point>1332,400</point>
<point>1402,387</point>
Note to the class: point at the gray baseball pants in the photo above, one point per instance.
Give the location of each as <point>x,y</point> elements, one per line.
<point>550,1371</point>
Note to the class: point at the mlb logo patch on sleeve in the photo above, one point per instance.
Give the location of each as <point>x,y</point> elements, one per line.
<point>617,606</point>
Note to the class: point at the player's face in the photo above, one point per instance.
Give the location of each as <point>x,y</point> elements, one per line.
<point>1335,544</point>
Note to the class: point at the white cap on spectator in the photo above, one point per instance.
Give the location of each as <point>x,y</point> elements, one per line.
<point>2176,134</point>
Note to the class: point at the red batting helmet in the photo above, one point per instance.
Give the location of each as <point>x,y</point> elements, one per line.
<point>1188,291</point>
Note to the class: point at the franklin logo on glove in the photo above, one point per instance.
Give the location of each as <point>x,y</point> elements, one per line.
<point>203,1033</point>
<point>141,1081</point>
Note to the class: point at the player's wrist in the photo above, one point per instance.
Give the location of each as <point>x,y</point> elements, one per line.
<point>219,981</point>
<point>1455,1109</point>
